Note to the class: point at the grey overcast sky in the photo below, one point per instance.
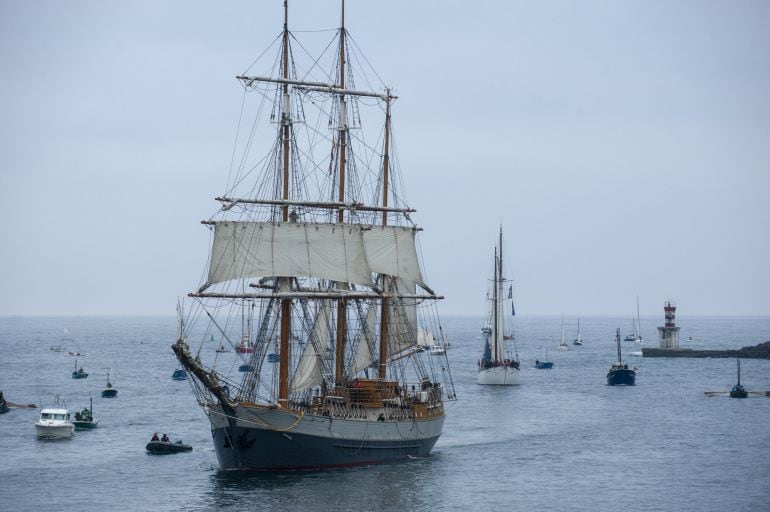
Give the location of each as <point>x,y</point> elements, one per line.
<point>624,145</point>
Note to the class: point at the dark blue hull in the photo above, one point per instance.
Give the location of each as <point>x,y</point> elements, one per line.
<point>621,377</point>
<point>543,365</point>
<point>179,375</point>
<point>265,450</point>
<point>109,393</point>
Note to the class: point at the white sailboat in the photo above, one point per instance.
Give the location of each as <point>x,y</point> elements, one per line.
<point>637,327</point>
<point>578,340</point>
<point>563,343</point>
<point>315,239</point>
<point>497,366</point>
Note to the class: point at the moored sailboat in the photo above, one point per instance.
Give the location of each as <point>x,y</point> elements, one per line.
<point>335,279</point>
<point>497,366</point>
<point>578,339</point>
<point>620,374</point>
<point>738,390</point>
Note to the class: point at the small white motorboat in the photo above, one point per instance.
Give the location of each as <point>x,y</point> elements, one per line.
<point>54,423</point>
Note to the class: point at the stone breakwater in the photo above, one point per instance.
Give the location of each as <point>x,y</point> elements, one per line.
<point>761,351</point>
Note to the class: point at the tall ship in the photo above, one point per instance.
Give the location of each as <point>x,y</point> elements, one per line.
<point>314,263</point>
<point>498,366</point>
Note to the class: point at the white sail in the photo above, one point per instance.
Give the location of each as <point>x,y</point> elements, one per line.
<point>364,353</point>
<point>309,369</point>
<point>265,249</point>
<point>402,320</point>
<point>425,338</point>
<point>391,251</point>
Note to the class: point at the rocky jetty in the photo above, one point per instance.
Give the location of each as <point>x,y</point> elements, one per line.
<point>761,351</point>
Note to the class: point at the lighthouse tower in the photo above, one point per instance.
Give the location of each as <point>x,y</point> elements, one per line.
<point>669,333</point>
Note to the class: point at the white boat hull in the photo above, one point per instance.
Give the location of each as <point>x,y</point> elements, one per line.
<point>54,431</point>
<point>499,376</point>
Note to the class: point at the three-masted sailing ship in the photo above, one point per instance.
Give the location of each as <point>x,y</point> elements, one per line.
<point>315,240</point>
<point>497,366</point>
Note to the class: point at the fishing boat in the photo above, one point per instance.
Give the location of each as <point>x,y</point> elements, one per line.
<point>738,391</point>
<point>79,373</point>
<point>54,422</point>
<point>498,366</point>
<point>578,340</point>
<point>544,365</point>
<point>322,248</point>
<point>563,343</point>
<point>84,420</point>
<point>620,374</point>
<point>244,347</point>
<point>109,391</point>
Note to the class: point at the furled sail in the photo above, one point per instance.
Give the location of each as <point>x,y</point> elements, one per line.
<point>391,251</point>
<point>364,352</point>
<point>309,371</point>
<point>265,249</point>
<point>500,327</point>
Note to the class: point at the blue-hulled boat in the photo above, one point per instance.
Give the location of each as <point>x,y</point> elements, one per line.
<point>620,374</point>
<point>738,391</point>
<point>79,373</point>
<point>544,365</point>
<point>245,368</point>
<point>179,374</point>
<point>273,358</point>
<point>109,391</point>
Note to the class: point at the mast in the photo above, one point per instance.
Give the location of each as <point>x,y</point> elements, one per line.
<point>385,302</point>
<point>285,282</point>
<point>638,321</point>
<point>343,135</point>
<point>617,341</point>
<point>495,298</point>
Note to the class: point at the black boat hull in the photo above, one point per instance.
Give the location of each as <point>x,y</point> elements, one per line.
<point>621,377</point>
<point>162,448</point>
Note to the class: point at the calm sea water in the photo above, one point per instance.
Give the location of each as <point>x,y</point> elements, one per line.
<point>563,440</point>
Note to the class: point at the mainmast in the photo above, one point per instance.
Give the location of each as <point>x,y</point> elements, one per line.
<point>385,302</point>
<point>285,282</point>
<point>343,136</point>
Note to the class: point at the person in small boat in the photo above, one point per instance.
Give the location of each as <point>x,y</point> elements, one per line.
<point>165,439</point>
<point>77,416</point>
<point>155,437</point>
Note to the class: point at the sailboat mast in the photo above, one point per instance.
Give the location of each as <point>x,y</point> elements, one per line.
<point>638,321</point>
<point>284,282</point>
<point>343,135</point>
<point>495,298</point>
<point>617,341</point>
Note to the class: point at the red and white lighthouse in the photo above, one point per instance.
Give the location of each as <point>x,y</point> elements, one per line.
<point>669,333</point>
